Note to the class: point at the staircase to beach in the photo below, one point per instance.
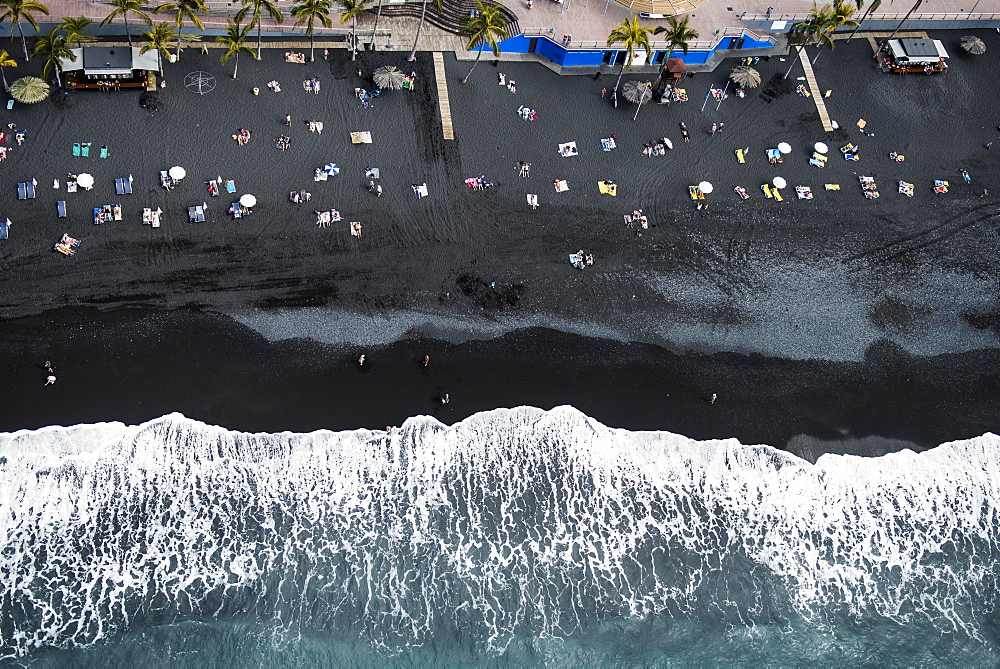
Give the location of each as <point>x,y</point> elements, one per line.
<point>451,19</point>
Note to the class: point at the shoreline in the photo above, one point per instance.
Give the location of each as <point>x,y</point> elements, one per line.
<point>133,366</point>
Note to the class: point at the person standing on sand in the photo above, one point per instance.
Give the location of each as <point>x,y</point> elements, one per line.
<point>50,379</point>
<point>288,120</point>
<point>715,129</point>
<point>714,397</point>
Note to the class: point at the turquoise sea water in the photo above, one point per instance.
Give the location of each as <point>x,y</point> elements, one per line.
<point>515,538</point>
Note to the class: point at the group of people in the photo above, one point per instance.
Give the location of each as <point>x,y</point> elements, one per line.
<point>637,221</point>
<point>325,218</point>
<point>282,142</point>
<point>479,183</point>
<point>509,83</point>
<point>315,126</point>
<point>242,137</point>
<point>291,57</point>
<point>311,85</point>
<point>581,259</point>
<point>300,196</point>
<point>274,86</point>
<point>684,132</point>
<point>524,169</point>
<point>655,148</point>
<point>527,114</point>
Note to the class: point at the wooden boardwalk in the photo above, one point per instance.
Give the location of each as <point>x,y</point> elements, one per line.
<point>817,95</point>
<point>442,89</point>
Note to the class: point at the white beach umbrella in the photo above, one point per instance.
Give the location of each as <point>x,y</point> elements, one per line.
<point>177,172</point>
<point>85,180</point>
<point>785,147</point>
<point>821,147</point>
<point>779,182</point>
<point>248,200</point>
<point>705,187</point>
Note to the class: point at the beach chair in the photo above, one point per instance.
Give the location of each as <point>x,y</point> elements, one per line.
<point>742,192</point>
<point>5,229</point>
<point>22,193</point>
<point>76,149</point>
<point>850,156</point>
<point>906,188</point>
<point>741,157</point>
<point>85,149</point>
<point>777,194</point>
<point>230,186</point>
<point>817,163</point>
<point>420,190</point>
<point>196,214</point>
<point>236,209</point>
<point>104,152</point>
<point>695,193</point>
<point>831,186</point>
<point>848,148</point>
<point>29,187</point>
<point>767,191</point>
<point>61,208</point>
<point>803,192</point>
<point>560,185</point>
<point>119,186</point>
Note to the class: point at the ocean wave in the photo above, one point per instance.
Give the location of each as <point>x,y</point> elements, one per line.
<point>512,524</point>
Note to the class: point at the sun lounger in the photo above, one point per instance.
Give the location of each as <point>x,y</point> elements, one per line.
<point>850,156</point>
<point>777,194</point>
<point>608,188</point>
<point>831,186</point>
<point>817,163</point>
<point>236,209</point>
<point>742,192</point>
<point>123,186</point>
<point>867,183</point>
<point>871,194</point>
<point>848,148</point>
<point>71,186</point>
<point>767,191</point>
<point>906,188</point>
<point>774,157</point>
<point>695,193</point>
<point>104,152</point>
<point>533,200</point>
<point>561,185</point>
<point>420,190</point>
<point>803,192</point>
<point>680,95</point>
<point>568,150</point>
<point>5,229</point>
<point>76,149</point>
<point>196,214</point>
<point>230,186</point>
<point>66,245</point>
<point>22,193</point>
<point>608,144</point>
<point>10,104</point>
<point>740,156</point>
<point>61,208</point>
<point>940,186</point>
<point>85,149</point>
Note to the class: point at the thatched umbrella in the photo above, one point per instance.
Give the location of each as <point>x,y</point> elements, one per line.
<point>745,76</point>
<point>973,44</point>
<point>390,77</point>
<point>29,90</point>
<point>638,92</point>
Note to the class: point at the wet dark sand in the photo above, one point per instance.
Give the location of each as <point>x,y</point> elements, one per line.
<point>750,277</point>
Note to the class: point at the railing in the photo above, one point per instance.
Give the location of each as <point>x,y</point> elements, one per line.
<point>948,16</point>
<point>655,45</point>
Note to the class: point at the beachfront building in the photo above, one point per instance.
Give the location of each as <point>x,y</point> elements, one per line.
<point>102,67</point>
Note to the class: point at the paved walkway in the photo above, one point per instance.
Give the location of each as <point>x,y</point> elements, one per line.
<point>817,95</point>
<point>442,89</point>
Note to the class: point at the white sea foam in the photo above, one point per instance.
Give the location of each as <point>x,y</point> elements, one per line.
<point>510,523</point>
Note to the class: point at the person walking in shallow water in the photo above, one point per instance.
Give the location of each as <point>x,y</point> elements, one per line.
<point>445,398</point>
<point>361,360</point>
<point>714,397</point>
<point>427,360</point>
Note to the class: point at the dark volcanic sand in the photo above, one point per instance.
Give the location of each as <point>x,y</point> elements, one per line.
<point>837,278</point>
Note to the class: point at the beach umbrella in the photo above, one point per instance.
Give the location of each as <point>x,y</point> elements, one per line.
<point>779,182</point>
<point>973,44</point>
<point>785,147</point>
<point>705,187</point>
<point>390,77</point>
<point>248,200</point>
<point>638,92</point>
<point>745,76</point>
<point>331,168</point>
<point>29,90</point>
<point>177,172</point>
<point>85,180</point>
<point>820,147</point>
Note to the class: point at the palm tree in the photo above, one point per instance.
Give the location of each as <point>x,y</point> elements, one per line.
<point>29,90</point>
<point>75,30</point>
<point>915,7</point>
<point>378,15</point>
<point>438,6</point>
<point>256,9</point>
<point>6,61</point>
<point>308,12</point>
<point>813,29</point>
<point>352,8</point>
<point>235,42</point>
<point>184,9</point>
<point>158,37</point>
<point>631,35</point>
<point>487,27</point>
<point>838,17</point>
<point>122,9</point>
<point>677,34</point>
<point>875,4</point>
<point>52,48</point>
<point>15,11</point>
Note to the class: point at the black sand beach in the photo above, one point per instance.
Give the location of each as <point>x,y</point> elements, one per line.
<point>834,317</point>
